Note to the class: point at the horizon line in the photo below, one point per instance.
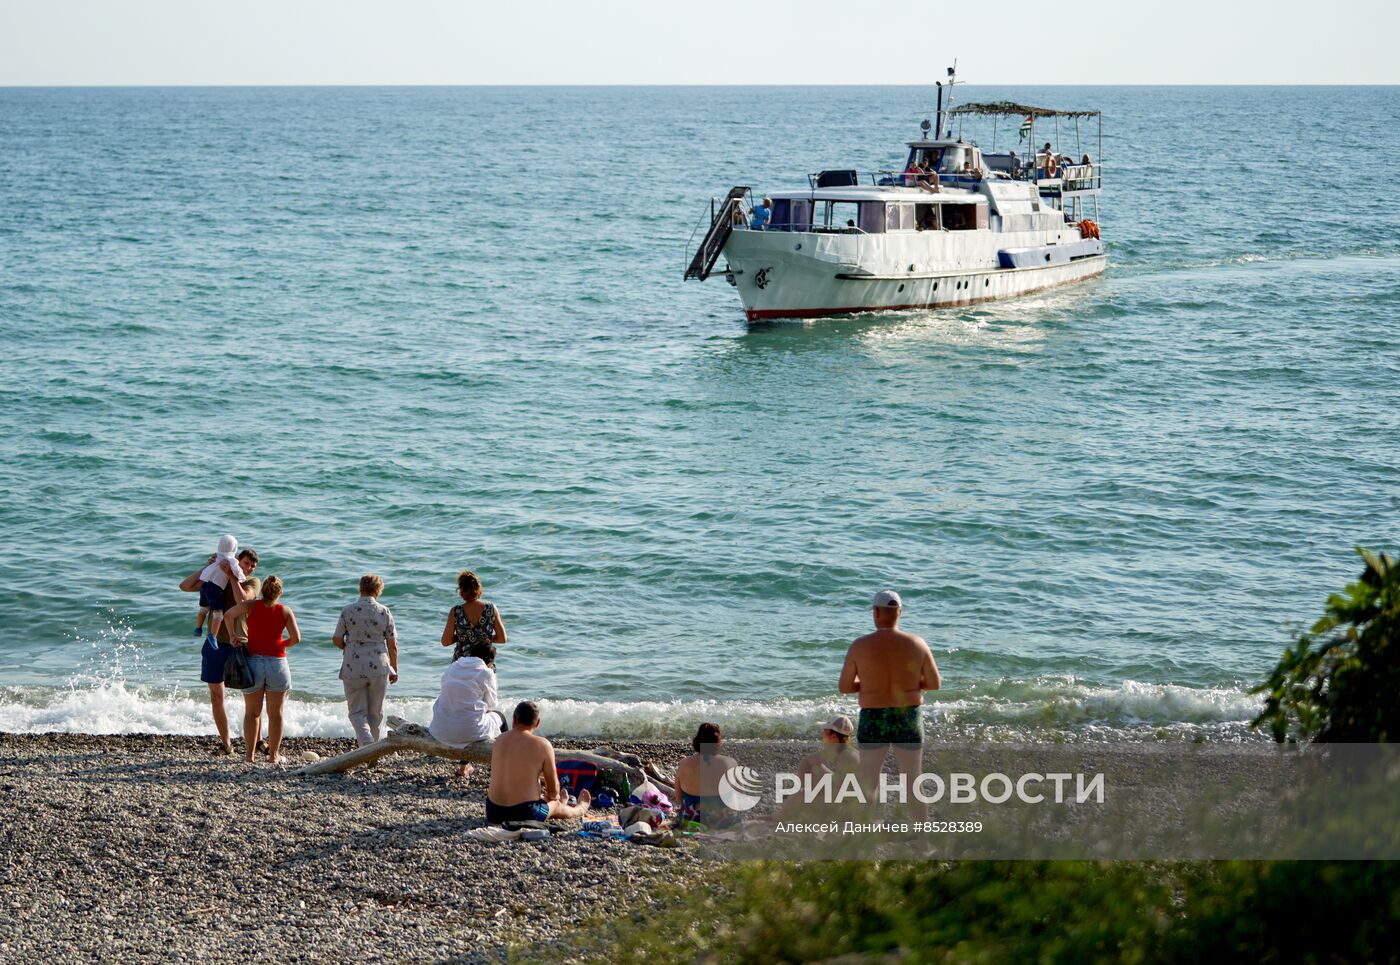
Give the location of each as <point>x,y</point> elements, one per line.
<point>356,85</point>
<point>636,86</point>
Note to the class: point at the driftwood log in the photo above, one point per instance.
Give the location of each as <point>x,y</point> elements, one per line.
<point>406,736</point>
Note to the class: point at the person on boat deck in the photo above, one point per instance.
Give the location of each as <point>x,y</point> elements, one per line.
<point>1015,164</point>
<point>1047,160</point>
<point>761,214</point>
<point>927,178</point>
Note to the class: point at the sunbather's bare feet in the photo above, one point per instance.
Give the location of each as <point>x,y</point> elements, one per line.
<point>562,809</point>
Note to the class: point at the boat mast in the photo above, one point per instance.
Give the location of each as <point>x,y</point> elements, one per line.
<point>942,108</point>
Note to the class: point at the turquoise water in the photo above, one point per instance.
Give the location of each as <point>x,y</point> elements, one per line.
<point>411,330</point>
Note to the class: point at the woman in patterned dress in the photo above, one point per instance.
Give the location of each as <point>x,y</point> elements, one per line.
<point>472,621</point>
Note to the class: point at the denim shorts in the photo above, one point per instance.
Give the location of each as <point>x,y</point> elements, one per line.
<point>269,673</point>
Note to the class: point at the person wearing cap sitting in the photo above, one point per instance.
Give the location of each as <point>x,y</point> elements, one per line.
<point>836,757</point>
<point>521,763</point>
<point>761,213</point>
<point>890,669</point>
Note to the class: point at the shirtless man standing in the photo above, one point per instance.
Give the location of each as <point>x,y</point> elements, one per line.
<point>522,761</point>
<point>890,669</point>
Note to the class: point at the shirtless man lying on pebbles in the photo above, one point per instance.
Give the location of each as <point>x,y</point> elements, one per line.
<point>522,762</point>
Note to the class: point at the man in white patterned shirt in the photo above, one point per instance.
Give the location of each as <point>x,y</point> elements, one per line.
<point>371,661</point>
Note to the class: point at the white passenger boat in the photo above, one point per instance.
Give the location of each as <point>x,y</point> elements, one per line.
<point>983,225</point>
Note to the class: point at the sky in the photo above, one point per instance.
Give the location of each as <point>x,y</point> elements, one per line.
<point>197,42</point>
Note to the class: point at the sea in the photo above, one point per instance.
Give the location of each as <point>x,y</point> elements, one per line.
<point>414,330</point>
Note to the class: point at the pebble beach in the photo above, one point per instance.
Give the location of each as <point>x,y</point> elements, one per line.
<point>144,848</point>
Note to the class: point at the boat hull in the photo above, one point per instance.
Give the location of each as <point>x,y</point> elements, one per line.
<point>776,282</point>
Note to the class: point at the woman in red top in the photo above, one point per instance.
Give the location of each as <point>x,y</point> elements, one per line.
<point>267,647</point>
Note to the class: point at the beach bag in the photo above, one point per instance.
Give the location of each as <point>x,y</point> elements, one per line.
<point>237,672</point>
<point>649,795</point>
<point>575,776</point>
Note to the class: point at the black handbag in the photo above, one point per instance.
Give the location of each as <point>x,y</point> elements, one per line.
<point>237,673</point>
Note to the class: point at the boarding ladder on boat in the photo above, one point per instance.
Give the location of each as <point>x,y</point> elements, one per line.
<point>721,226</point>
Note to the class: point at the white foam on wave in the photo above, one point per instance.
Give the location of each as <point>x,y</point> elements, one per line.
<point>1044,708</point>
<point>103,698</point>
<point>1127,703</point>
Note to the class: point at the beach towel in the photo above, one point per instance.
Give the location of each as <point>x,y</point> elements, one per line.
<point>534,826</point>
<point>656,839</point>
<point>608,830</point>
<point>628,816</point>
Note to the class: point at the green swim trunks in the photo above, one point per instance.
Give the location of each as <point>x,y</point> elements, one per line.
<point>890,725</point>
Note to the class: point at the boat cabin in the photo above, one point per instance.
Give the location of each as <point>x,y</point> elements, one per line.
<point>947,157</point>
<point>877,210</point>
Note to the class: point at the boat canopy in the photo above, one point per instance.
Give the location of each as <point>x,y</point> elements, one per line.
<point>1018,110</point>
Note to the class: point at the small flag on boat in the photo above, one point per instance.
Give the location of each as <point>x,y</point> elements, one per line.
<point>1025,128</point>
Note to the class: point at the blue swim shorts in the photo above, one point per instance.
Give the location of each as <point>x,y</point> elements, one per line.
<point>212,658</point>
<point>269,673</point>
<point>528,811</point>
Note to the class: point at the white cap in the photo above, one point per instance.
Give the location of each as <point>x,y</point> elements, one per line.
<point>841,724</point>
<point>889,598</point>
<point>227,545</point>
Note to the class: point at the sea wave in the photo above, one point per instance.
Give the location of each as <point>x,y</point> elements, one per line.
<point>1059,709</point>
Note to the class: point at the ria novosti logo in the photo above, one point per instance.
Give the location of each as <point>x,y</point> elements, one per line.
<point>740,788</point>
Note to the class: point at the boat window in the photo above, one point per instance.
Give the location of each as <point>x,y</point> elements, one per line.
<point>872,217</point>
<point>801,219</point>
<point>782,215</point>
<point>964,217</point>
<point>836,215</point>
<point>926,217</point>
<point>899,217</point>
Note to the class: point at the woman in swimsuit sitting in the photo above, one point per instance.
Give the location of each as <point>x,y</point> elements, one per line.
<point>697,780</point>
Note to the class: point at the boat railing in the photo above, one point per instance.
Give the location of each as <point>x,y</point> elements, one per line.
<point>807,228</point>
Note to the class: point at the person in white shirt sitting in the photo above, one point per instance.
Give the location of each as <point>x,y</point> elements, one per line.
<point>465,711</point>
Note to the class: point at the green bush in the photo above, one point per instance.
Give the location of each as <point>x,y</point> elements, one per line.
<point>1340,681</point>
<point>984,911</point>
